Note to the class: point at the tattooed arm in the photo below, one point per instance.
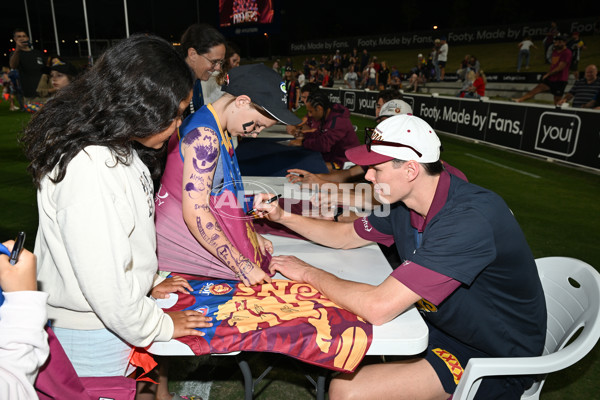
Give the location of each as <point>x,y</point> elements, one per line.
<point>201,152</point>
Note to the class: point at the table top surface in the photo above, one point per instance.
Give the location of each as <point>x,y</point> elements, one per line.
<point>271,155</point>
<point>407,334</point>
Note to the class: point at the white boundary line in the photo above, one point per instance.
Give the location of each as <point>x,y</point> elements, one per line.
<point>503,166</point>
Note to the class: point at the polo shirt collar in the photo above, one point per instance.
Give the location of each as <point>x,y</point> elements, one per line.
<point>439,199</point>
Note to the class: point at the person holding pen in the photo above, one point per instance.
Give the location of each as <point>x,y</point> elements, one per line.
<point>93,150</point>
<point>23,342</point>
<point>465,265</point>
<point>201,165</point>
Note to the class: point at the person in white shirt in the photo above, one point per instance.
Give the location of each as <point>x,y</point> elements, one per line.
<point>442,58</point>
<point>525,47</point>
<point>23,341</point>
<point>351,77</point>
<point>94,150</point>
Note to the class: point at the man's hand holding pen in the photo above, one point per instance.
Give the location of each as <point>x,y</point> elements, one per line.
<point>267,206</point>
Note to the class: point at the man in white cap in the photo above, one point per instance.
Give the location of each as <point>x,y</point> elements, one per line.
<point>356,173</point>
<point>466,266</point>
<point>393,107</point>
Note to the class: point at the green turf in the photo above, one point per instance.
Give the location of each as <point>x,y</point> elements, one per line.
<point>18,210</point>
<point>558,213</point>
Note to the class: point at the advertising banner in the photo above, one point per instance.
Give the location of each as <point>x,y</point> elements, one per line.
<point>569,134</point>
<point>458,36</point>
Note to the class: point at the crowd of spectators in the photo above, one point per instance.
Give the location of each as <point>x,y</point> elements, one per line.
<point>354,70</point>
<point>363,70</point>
<point>359,69</point>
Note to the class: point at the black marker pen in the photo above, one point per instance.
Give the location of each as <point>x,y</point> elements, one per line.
<point>19,242</point>
<point>272,199</point>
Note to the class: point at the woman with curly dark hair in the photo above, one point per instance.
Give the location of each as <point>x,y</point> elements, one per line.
<point>96,241</point>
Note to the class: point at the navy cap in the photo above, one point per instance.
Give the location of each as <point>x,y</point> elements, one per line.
<point>264,87</point>
<point>64,68</point>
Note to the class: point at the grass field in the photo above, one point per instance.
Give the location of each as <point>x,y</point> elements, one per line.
<point>558,211</point>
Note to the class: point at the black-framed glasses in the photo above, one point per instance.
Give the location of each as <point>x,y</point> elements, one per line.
<point>369,141</point>
<point>214,63</point>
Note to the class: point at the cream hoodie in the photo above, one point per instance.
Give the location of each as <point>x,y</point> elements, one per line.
<point>96,248</point>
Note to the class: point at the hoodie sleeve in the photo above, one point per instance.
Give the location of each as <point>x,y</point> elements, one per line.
<point>23,343</point>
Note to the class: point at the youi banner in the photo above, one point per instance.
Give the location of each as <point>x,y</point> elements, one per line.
<point>568,134</point>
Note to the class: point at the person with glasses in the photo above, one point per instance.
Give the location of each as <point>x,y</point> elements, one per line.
<point>465,265</point>
<point>204,50</point>
<point>212,87</point>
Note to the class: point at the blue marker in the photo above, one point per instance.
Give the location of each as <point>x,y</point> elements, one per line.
<point>4,250</point>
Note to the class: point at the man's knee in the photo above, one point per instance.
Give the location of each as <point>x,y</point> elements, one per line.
<point>340,388</point>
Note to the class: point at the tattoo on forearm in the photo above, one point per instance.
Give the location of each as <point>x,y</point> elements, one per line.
<point>209,237</point>
<point>245,266</point>
<point>241,266</point>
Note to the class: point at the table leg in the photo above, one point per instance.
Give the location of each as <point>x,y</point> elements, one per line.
<point>248,381</point>
<point>321,386</point>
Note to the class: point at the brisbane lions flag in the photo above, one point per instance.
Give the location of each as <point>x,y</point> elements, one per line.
<point>284,317</point>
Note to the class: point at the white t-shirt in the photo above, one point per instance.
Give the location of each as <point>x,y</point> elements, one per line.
<point>96,236</point>
<point>443,54</point>
<point>351,78</point>
<point>372,73</point>
<point>211,89</point>
<point>526,44</point>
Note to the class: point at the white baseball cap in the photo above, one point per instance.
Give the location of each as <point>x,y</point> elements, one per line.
<point>394,107</point>
<point>403,137</point>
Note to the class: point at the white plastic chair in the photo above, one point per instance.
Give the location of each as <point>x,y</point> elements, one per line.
<point>572,291</point>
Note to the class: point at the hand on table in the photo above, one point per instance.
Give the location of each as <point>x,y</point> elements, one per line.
<point>291,267</point>
<point>251,274</point>
<point>171,285</point>
<point>306,178</point>
<point>185,322</point>
<point>326,201</point>
<point>292,130</point>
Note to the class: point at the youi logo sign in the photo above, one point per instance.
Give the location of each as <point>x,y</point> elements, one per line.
<point>558,133</point>
<point>350,100</point>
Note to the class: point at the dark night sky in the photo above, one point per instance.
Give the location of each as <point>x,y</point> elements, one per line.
<point>300,19</point>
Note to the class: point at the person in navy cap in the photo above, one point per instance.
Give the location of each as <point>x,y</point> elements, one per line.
<point>255,98</point>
